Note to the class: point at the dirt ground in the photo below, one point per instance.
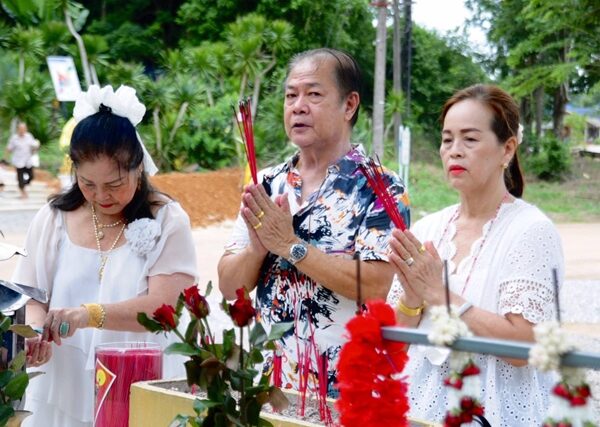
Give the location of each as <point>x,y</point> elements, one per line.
<point>208,197</point>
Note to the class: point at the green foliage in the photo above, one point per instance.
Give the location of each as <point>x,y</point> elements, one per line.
<point>552,162</point>
<point>13,378</point>
<point>439,69</point>
<point>224,371</point>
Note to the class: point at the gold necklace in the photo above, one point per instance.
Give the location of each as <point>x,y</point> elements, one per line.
<point>100,226</point>
<point>104,255</point>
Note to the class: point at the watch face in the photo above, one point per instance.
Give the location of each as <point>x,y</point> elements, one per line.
<point>297,252</point>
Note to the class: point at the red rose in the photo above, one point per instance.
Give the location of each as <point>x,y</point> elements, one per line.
<point>583,390</point>
<point>467,403</point>
<point>165,315</point>
<point>578,401</point>
<point>195,302</point>
<point>466,417</point>
<point>454,381</point>
<point>241,311</point>
<point>470,369</point>
<point>561,390</point>
<point>452,420</point>
<point>478,410</point>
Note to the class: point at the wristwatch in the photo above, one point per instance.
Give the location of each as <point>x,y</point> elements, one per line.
<point>298,252</point>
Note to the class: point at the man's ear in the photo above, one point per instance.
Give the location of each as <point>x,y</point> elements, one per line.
<point>351,104</point>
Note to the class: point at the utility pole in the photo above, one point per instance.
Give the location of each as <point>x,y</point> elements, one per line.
<point>397,67</point>
<point>379,89</point>
<point>407,50</point>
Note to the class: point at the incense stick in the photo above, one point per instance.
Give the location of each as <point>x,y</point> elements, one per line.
<point>244,123</point>
<point>447,285</point>
<point>376,180</point>
<point>556,293</point>
<point>358,288</point>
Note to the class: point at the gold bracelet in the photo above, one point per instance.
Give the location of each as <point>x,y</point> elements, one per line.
<point>96,314</point>
<point>409,311</point>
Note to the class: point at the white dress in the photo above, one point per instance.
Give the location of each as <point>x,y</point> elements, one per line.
<point>64,395</point>
<point>513,274</point>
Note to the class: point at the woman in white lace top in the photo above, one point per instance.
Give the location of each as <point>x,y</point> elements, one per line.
<point>500,252</point>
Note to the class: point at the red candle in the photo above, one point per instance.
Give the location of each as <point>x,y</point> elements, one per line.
<point>118,365</point>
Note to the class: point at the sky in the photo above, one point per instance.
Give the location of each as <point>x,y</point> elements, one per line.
<point>444,16</point>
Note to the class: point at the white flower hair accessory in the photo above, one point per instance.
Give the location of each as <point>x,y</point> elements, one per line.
<point>520,134</point>
<point>122,103</point>
<point>142,235</point>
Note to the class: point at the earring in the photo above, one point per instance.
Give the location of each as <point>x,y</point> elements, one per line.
<point>504,165</point>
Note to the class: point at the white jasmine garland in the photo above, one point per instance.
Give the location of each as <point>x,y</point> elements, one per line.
<point>446,328</point>
<point>142,235</point>
<point>551,343</point>
<point>545,355</point>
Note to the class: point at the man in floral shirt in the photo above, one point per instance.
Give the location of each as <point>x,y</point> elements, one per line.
<point>299,230</point>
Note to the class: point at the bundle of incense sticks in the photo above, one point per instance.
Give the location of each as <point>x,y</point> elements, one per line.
<point>244,122</point>
<point>376,180</point>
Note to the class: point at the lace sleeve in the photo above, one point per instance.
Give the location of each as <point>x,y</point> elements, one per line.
<point>526,286</point>
<point>395,293</point>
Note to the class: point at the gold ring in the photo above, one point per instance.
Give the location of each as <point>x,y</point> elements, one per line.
<point>260,214</point>
<point>257,226</point>
<point>422,249</point>
<point>409,261</point>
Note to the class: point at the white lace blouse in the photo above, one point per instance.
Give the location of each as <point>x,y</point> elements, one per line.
<point>513,274</point>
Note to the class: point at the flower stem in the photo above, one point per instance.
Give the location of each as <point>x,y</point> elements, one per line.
<point>242,391</point>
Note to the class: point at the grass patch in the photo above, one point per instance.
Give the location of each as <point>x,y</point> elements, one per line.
<point>575,200</point>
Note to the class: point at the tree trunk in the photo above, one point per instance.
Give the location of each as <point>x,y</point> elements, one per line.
<point>157,135</point>
<point>178,121</point>
<point>82,52</point>
<point>558,111</point>
<point>379,90</point>
<point>539,110</point>
<point>94,75</point>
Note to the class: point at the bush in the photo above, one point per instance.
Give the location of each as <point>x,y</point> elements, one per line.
<point>551,161</point>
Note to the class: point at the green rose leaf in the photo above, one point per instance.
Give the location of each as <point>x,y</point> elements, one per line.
<point>182,348</point>
<point>148,323</point>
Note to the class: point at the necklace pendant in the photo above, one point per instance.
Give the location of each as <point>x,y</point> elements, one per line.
<point>100,234</point>
<point>101,273</point>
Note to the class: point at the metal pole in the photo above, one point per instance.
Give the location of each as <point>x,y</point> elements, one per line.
<point>500,348</point>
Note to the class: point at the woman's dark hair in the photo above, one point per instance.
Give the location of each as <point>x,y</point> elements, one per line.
<point>346,71</point>
<point>107,135</point>
<point>505,124</point>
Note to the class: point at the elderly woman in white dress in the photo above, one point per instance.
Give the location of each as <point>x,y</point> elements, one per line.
<point>500,252</point>
<point>109,247</point>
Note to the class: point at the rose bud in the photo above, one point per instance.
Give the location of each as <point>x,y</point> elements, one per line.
<point>195,303</point>
<point>241,311</point>
<point>165,315</point>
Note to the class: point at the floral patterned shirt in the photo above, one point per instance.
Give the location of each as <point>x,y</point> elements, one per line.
<point>342,217</point>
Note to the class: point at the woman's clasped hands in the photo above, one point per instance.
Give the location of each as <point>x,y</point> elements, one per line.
<point>419,268</point>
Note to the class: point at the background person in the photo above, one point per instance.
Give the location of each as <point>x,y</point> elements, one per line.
<point>109,247</point>
<point>297,231</point>
<point>23,146</point>
<point>500,251</point>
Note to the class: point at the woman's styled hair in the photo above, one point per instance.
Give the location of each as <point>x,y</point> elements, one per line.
<point>505,124</point>
<point>105,134</point>
<point>347,73</point>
